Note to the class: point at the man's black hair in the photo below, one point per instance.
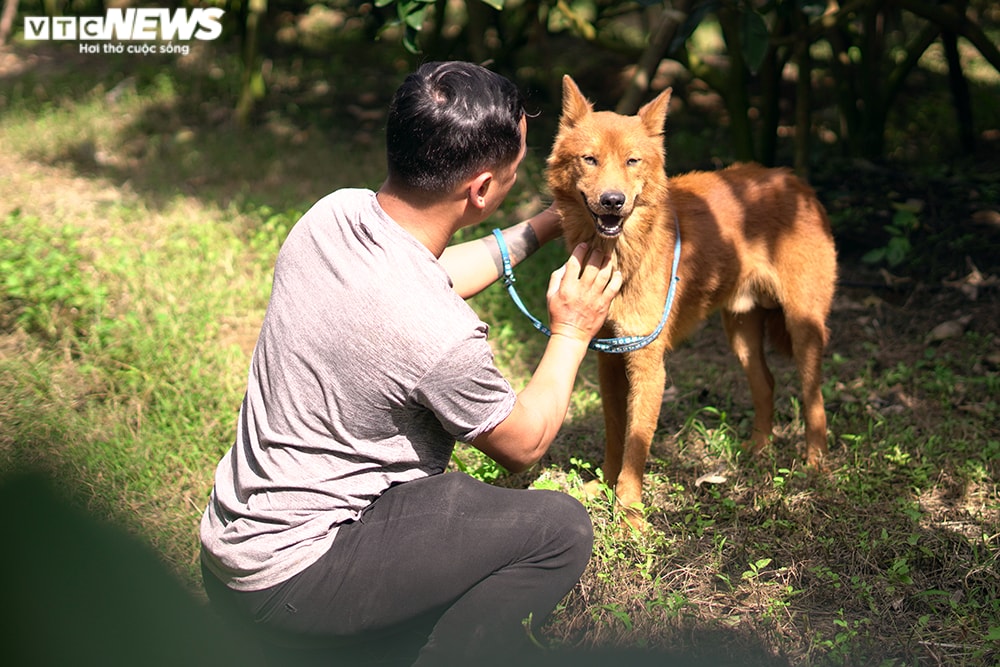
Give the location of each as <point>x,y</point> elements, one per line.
<point>448,121</point>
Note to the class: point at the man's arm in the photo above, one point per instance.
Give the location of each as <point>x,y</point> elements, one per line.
<point>475,265</point>
<point>579,296</point>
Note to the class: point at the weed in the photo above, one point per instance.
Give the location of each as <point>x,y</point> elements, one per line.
<point>755,569</point>
<point>905,221</point>
<point>46,289</point>
<point>474,463</point>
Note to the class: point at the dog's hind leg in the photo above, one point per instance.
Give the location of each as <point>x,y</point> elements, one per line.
<point>808,342</point>
<point>746,338</point>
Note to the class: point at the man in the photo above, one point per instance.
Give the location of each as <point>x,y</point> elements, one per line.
<point>330,518</point>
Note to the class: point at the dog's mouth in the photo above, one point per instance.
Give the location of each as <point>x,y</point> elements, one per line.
<point>609,213</point>
<point>609,226</point>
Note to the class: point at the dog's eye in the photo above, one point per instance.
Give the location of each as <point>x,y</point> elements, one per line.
<point>590,159</point>
<point>632,161</point>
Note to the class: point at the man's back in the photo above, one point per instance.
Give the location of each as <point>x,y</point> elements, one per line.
<point>367,369</point>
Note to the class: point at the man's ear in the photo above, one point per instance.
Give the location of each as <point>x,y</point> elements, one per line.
<point>479,187</point>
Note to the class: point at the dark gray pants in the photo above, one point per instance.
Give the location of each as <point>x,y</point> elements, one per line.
<point>449,561</point>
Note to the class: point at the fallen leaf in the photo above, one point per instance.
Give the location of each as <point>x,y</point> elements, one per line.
<point>949,329</point>
<point>892,280</point>
<point>714,477</point>
<point>970,284</point>
<point>987,217</point>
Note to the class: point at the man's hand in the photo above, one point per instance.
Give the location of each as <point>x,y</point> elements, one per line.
<point>580,294</point>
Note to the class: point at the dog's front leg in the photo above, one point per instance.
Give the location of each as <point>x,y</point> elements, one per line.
<point>646,375</point>
<point>614,400</point>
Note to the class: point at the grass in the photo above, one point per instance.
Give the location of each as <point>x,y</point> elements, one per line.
<point>139,232</point>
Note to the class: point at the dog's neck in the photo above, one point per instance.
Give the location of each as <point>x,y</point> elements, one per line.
<point>608,247</point>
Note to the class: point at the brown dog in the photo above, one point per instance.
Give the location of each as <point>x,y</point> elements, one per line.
<point>755,244</point>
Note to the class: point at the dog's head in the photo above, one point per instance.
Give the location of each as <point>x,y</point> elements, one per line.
<point>604,166</point>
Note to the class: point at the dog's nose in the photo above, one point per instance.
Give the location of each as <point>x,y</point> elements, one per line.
<point>613,200</point>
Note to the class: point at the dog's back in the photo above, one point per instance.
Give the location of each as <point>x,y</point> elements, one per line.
<point>752,237</point>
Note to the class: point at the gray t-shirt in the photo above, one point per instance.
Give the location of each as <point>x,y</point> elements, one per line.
<point>367,369</point>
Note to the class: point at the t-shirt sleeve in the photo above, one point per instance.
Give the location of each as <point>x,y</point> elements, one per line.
<point>466,391</point>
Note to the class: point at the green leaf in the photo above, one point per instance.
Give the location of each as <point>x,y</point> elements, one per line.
<point>873,256</point>
<point>755,38</point>
<point>415,18</point>
<point>495,4</point>
<point>620,614</point>
<point>897,250</point>
<point>410,40</point>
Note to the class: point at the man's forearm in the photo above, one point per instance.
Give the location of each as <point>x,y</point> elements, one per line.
<point>541,407</point>
<point>475,265</point>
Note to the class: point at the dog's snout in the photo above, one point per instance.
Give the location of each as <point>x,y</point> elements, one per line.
<point>612,200</point>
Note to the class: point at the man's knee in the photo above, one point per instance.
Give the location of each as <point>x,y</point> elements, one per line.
<point>570,524</point>
<point>561,525</point>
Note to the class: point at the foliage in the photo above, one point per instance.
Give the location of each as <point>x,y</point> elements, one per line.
<point>412,14</point>
<point>867,48</point>
<point>904,221</point>
<point>857,55</point>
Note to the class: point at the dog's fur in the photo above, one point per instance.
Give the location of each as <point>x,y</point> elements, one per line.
<point>756,245</point>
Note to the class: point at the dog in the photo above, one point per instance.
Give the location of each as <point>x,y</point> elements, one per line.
<point>756,245</point>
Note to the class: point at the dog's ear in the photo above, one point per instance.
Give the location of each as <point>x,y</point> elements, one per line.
<point>574,105</point>
<point>654,113</point>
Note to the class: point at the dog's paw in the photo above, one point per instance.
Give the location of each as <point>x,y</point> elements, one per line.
<point>818,461</point>
<point>753,448</point>
<point>633,521</point>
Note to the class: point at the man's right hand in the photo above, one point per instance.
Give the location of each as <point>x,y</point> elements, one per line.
<point>580,294</point>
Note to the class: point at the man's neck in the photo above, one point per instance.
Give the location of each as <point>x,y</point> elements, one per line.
<point>431,222</point>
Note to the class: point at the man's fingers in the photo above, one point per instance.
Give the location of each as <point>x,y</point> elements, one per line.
<point>574,265</point>
<point>595,272</point>
<point>588,270</point>
<point>614,284</point>
<point>581,291</point>
<point>606,276</point>
<point>555,280</point>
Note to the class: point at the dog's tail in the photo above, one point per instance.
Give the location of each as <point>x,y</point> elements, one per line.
<point>777,331</point>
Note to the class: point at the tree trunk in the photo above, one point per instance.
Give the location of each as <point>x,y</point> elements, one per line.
<point>959,92</point>
<point>7,20</point>
<point>949,19</point>
<point>803,109</point>
<point>770,92</point>
<point>252,86</point>
<point>735,93</point>
<point>649,62</point>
